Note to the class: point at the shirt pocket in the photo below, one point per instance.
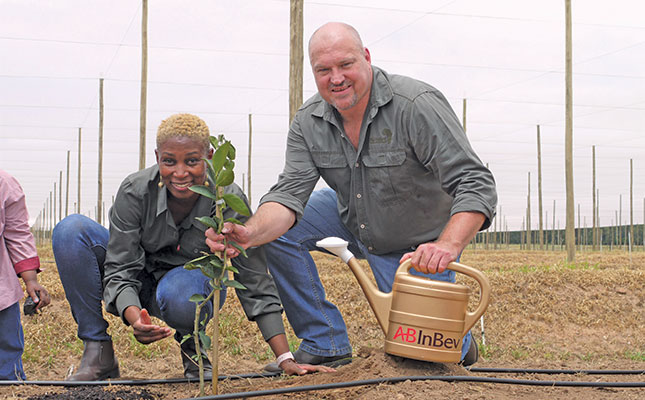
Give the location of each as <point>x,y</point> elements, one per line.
<point>383,170</point>
<point>329,159</point>
<point>333,168</point>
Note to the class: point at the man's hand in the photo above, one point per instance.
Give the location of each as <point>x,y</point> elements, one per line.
<point>269,222</point>
<point>233,233</point>
<point>432,258</point>
<point>290,367</point>
<point>144,331</point>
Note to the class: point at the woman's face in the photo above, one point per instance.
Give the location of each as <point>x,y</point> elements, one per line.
<point>181,166</point>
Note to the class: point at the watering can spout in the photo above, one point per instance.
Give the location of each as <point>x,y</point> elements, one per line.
<point>379,301</point>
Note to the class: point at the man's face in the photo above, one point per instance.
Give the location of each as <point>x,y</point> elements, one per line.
<point>343,72</point>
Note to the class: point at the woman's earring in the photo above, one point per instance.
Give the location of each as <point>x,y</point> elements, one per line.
<point>160,184</point>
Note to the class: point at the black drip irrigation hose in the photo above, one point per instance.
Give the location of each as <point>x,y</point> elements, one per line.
<point>378,381</point>
<point>558,371</point>
<point>138,382</point>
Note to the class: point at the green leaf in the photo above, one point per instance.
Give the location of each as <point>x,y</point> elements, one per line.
<point>233,284</point>
<point>240,248</point>
<point>234,220</point>
<point>205,339</point>
<point>216,262</point>
<point>198,259</point>
<point>236,204</point>
<point>211,173</point>
<point>219,158</point>
<point>204,191</point>
<point>186,337</point>
<point>230,165</point>
<point>231,152</point>
<point>231,267</point>
<point>225,178</point>
<point>197,298</point>
<point>190,266</point>
<point>214,141</point>
<point>211,222</point>
<point>209,271</point>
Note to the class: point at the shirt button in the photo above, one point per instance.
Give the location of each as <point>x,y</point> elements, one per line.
<point>195,251</point>
<point>362,226</point>
<point>357,165</point>
<point>370,248</point>
<point>358,196</point>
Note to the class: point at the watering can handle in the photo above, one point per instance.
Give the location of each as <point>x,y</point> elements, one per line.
<point>471,317</point>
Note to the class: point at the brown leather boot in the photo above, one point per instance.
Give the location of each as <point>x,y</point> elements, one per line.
<point>98,362</point>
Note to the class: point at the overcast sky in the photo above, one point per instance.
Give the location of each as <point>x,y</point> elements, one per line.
<point>223,60</point>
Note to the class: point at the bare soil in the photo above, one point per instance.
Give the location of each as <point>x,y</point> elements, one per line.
<point>544,314</point>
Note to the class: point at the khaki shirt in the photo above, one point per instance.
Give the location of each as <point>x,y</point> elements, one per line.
<point>143,236</point>
<point>413,169</point>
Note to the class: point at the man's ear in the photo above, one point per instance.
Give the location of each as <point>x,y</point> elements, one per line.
<point>157,156</point>
<point>210,153</point>
<point>368,57</point>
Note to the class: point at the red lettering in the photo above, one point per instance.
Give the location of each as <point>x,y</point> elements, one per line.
<point>410,336</point>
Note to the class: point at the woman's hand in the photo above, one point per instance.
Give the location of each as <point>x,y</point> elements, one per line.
<point>143,329</point>
<point>291,367</point>
<point>35,290</point>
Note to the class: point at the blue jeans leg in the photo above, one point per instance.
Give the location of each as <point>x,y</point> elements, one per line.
<point>316,320</point>
<point>12,343</point>
<point>172,297</point>
<point>79,245</point>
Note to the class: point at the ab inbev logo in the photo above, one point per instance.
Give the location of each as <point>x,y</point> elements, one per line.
<point>435,339</point>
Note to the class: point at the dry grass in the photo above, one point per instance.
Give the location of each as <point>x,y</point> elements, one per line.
<point>543,312</point>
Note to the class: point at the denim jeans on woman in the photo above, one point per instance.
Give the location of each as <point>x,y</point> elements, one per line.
<point>79,246</point>
<point>12,342</point>
<point>315,319</point>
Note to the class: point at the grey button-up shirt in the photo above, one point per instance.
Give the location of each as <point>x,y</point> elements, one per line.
<point>413,169</point>
<point>143,236</point>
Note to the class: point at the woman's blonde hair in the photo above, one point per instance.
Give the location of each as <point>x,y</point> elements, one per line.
<point>183,125</point>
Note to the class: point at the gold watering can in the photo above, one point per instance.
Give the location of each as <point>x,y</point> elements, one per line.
<point>422,319</point>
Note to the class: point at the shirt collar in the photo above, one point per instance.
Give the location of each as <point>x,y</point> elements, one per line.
<point>380,94</point>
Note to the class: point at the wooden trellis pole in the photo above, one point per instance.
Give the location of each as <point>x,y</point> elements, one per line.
<point>248,169</point>
<point>67,188</point>
<point>569,236</point>
<point>553,229</point>
<point>539,156</point>
<point>144,84</point>
<point>54,214</point>
<point>78,189</point>
<point>296,55</point>
<point>60,195</point>
<point>631,201</point>
<point>99,200</point>
<point>528,215</point>
<point>595,226</point>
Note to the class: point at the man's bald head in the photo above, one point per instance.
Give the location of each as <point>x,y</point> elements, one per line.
<point>333,32</point>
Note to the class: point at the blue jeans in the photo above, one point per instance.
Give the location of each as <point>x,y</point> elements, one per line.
<point>12,343</point>
<point>315,319</point>
<point>79,246</point>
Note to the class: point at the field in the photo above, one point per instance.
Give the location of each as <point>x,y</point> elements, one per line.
<point>544,313</point>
